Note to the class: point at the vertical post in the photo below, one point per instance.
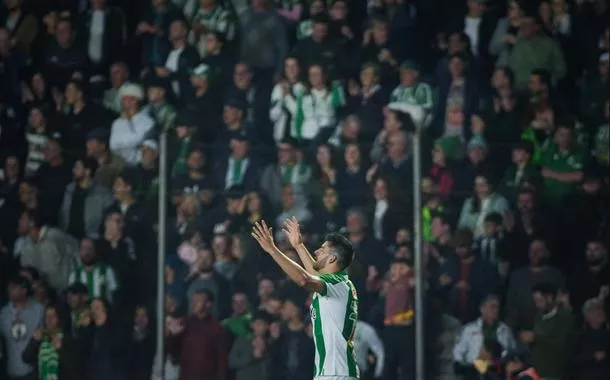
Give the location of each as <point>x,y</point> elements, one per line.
<point>161,246</point>
<point>420,358</point>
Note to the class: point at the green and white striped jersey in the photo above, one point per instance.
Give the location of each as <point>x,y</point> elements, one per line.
<point>334,313</point>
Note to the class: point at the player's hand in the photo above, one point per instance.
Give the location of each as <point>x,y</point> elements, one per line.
<point>264,236</point>
<point>293,232</point>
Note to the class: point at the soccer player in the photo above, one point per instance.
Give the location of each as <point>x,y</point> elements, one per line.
<point>334,310</point>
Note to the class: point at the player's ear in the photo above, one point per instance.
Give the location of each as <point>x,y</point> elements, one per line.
<point>333,259</point>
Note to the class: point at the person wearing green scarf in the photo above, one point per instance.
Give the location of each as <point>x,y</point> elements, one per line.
<point>50,351</point>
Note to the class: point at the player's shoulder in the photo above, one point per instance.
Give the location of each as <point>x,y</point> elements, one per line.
<point>334,278</point>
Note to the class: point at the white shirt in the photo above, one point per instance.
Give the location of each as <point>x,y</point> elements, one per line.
<point>381,207</point>
<point>365,340</point>
<point>96,36</point>
<point>127,135</point>
<point>172,65</point>
<point>279,112</point>
<point>470,342</point>
<point>471,28</point>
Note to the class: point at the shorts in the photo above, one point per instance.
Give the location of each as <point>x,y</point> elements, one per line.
<point>334,378</point>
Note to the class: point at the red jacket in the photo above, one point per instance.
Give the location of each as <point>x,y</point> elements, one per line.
<point>202,350</point>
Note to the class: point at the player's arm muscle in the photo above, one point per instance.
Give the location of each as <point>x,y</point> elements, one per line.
<point>297,273</point>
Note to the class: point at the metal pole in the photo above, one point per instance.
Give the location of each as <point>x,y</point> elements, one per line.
<point>161,233</point>
<point>420,361</point>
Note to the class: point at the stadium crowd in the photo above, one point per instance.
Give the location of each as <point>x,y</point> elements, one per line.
<point>300,108</point>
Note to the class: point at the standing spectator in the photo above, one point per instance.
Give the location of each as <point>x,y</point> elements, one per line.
<point>53,352</point>
<point>84,201</point>
<point>64,56</point>
<point>507,29</point>
<point>104,343</point>
<point>49,250</point>
<point>130,130</point>
<point>285,92</point>
<point>520,308</point>
<point>99,278</point>
<point>109,164</point>
<point>366,342</point>
<point>199,341</point>
<point>249,356</point>
<point>263,39</point>
<point>104,33</point>
<point>19,320</point>
<point>466,278</point>
<point>551,336</point>
<point>548,54</point>
<point>207,279</point>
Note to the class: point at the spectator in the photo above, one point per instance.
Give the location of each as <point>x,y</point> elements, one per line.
<point>84,201</point>
<point>52,177</point>
<point>466,278</point>
<point>143,344</point>
<point>591,280</point>
<point>351,181</point>
<point>130,130</point>
<point>550,338</point>
<point>211,17</point>
<point>103,340</point>
<point>100,279</point>
<point>119,76</point>
<point>486,331</point>
<point>506,32</point>
<point>520,308</point>
<point>238,324</point>
<point>477,208</point>
<point>110,165</point>
<point>208,279</point>
<point>39,132</point>
<point>199,341</point>
<point>52,352</point>
<point>590,360</point>
<point>249,355</point>
<point>366,342</point>
<point>158,106</point>
<point>240,167</point>
<point>153,29</point>
<point>146,172</point>
<point>23,27</point>
<point>64,56</point>
<point>522,173</point>
<point>286,93</point>
<point>49,250</point>
<point>19,320</point>
<point>549,55</point>
<point>76,305</point>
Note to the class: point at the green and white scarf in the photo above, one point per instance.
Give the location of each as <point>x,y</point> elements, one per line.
<point>337,99</point>
<point>48,361</point>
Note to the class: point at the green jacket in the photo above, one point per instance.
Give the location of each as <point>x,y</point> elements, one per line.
<point>551,347</point>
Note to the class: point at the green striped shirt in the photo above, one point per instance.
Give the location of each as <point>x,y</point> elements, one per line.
<point>334,313</point>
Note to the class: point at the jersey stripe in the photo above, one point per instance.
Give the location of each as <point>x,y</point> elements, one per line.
<point>319,335</point>
<point>349,327</point>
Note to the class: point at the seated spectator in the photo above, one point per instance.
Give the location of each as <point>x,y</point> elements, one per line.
<point>84,201</point>
<point>483,203</point>
<point>77,303</point>
<point>398,163</point>
<point>146,172</point>
<point>38,132</point>
<point>99,278</point>
<point>158,107</point>
<point>132,127</point>
<point>494,245</point>
<point>49,250</point>
<point>412,91</point>
<point>591,280</point>
<point>590,354</point>
<point>486,331</point>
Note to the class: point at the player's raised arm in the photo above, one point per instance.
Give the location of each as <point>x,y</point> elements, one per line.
<point>293,233</point>
<point>295,272</point>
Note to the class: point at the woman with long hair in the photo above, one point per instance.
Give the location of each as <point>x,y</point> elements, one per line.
<point>316,110</point>
<point>54,354</point>
<point>484,202</point>
<point>325,168</point>
<point>288,89</point>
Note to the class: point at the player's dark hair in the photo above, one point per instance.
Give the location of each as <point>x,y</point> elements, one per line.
<point>342,249</point>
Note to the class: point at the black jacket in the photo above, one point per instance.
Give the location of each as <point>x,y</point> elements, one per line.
<point>114,38</point>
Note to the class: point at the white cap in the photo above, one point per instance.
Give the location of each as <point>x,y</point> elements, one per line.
<point>130,89</point>
<point>150,143</point>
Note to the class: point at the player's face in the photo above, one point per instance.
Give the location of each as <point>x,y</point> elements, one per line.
<point>324,257</point>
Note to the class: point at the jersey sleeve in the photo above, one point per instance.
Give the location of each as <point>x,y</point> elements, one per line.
<point>332,285</point>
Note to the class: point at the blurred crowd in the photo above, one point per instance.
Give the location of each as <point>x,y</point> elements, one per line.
<point>274,109</point>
